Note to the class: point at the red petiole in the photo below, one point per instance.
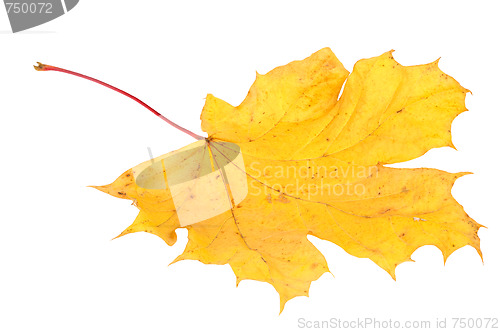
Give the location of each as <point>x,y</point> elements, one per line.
<point>42,67</point>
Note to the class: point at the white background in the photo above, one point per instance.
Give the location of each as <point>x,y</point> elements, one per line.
<point>59,271</point>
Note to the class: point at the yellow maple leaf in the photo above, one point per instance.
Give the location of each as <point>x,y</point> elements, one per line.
<point>313,165</point>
